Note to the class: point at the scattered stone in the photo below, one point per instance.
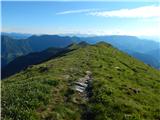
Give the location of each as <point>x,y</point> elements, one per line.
<point>81,79</point>
<point>43,69</point>
<point>110,77</point>
<point>79,89</point>
<point>127,115</point>
<point>118,68</point>
<point>66,76</point>
<point>83,83</point>
<point>89,73</point>
<point>135,90</point>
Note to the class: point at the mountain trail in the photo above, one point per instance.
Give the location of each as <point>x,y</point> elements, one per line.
<point>83,85</point>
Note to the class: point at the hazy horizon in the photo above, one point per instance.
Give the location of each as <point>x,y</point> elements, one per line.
<point>90,18</point>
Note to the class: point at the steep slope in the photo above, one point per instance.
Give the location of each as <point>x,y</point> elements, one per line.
<point>132,44</point>
<point>155,53</point>
<point>122,88</point>
<point>22,62</point>
<point>11,48</point>
<point>147,58</point>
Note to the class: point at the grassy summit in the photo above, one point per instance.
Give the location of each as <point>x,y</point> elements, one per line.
<point>123,88</point>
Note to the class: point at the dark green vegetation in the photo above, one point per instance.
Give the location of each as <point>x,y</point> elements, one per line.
<point>123,88</point>
<point>12,48</point>
<point>22,62</point>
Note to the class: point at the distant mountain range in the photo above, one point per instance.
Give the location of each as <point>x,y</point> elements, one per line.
<point>145,50</point>
<point>15,35</point>
<point>39,43</point>
<point>126,42</point>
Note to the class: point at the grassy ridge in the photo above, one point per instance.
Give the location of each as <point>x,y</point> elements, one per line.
<point>123,88</point>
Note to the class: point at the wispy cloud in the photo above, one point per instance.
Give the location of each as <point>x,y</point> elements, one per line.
<point>140,12</point>
<point>76,11</point>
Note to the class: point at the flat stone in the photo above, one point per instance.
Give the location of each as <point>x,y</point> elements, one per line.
<point>81,84</point>
<point>79,88</point>
<point>82,79</point>
<point>87,77</point>
<point>88,72</point>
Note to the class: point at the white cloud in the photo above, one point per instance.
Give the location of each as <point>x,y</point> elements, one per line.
<point>140,12</point>
<point>76,11</point>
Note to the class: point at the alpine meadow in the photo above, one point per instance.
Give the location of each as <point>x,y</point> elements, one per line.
<point>80,60</point>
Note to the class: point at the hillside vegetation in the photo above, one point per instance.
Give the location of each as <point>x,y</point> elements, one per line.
<point>22,62</point>
<point>13,48</point>
<point>122,88</point>
<point>147,51</point>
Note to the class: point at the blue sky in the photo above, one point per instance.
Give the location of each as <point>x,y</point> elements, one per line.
<point>99,18</point>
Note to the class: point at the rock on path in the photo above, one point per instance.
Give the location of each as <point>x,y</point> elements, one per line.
<point>83,83</point>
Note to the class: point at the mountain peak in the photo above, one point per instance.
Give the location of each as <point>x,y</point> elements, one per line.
<point>83,44</point>
<point>104,43</point>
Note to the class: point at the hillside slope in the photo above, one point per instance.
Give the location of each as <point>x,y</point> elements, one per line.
<point>122,88</point>
<point>147,58</point>
<point>147,51</point>
<point>22,62</point>
<point>12,48</point>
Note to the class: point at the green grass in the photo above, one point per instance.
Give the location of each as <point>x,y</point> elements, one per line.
<point>123,88</point>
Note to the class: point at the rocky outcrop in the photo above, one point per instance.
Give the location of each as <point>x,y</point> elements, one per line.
<point>83,84</point>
